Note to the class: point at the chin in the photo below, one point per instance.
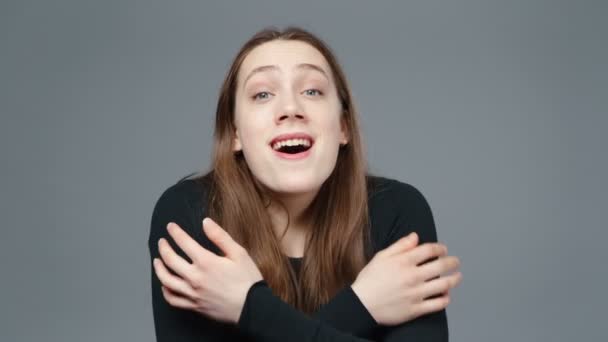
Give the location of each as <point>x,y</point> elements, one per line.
<point>298,186</point>
<point>295,184</point>
<point>293,180</point>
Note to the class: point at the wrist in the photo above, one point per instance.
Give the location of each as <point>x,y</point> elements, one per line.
<point>365,298</point>
<point>246,301</point>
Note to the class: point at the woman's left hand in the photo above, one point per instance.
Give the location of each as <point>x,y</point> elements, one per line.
<point>215,286</point>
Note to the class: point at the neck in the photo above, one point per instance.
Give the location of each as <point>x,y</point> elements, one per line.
<point>295,206</point>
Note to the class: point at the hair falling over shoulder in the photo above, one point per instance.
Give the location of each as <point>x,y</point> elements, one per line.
<point>336,249</point>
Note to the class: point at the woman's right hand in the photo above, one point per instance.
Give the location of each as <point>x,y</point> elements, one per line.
<point>394,286</point>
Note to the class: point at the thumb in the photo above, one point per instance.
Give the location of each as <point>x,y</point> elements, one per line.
<point>403,244</point>
<point>220,237</point>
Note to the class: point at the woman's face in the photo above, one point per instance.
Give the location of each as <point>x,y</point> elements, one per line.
<point>285,88</point>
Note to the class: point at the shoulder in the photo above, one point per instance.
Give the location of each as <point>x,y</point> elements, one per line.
<point>183,202</point>
<point>389,196</point>
<point>384,189</point>
<point>185,190</point>
<point>396,209</point>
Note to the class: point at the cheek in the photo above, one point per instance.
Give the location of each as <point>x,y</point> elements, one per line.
<point>333,128</point>
<point>330,120</point>
<point>250,138</point>
<point>252,131</point>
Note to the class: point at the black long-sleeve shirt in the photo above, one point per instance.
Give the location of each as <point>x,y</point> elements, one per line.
<point>395,210</point>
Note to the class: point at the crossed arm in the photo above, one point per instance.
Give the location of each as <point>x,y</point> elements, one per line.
<point>264,316</point>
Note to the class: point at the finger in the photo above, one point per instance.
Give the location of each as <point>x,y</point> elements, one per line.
<point>176,300</point>
<point>221,238</point>
<point>426,251</point>
<point>403,244</point>
<point>439,286</point>
<point>431,305</point>
<point>173,261</point>
<point>192,248</point>
<point>174,283</point>
<point>437,267</point>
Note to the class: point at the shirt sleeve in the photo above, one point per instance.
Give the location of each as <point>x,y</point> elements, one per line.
<point>346,312</point>
<point>266,318</point>
<point>171,323</point>
<point>413,214</point>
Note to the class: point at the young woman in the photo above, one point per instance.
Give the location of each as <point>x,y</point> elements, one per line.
<point>288,238</point>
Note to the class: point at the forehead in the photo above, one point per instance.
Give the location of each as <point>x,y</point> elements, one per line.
<point>285,54</point>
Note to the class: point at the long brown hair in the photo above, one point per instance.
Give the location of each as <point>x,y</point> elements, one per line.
<point>337,248</point>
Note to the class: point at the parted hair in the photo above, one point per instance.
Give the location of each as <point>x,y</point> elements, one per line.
<point>335,251</point>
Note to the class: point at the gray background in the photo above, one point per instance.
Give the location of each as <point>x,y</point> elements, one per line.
<point>496,111</point>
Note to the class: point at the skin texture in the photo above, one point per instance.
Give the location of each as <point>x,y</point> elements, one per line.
<point>286,87</point>
<point>215,286</point>
<point>294,91</point>
<point>393,286</point>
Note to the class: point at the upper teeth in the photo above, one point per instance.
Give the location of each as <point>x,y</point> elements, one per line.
<point>291,142</point>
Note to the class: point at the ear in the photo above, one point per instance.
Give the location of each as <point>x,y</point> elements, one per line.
<point>344,137</point>
<point>236,145</point>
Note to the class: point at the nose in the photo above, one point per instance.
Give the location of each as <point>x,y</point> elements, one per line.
<point>290,110</point>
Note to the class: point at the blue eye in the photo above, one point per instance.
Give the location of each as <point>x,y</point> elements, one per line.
<point>311,92</point>
<point>259,96</point>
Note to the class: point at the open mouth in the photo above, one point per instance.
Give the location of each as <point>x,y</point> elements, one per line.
<point>292,147</point>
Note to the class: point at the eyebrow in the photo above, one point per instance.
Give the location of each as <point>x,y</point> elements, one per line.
<point>305,66</point>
